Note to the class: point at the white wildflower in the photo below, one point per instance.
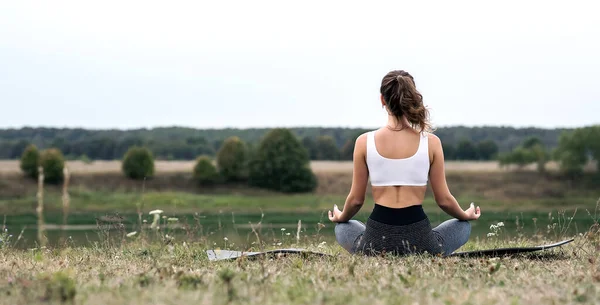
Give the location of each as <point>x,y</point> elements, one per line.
<point>501,224</point>
<point>288,234</point>
<point>491,234</point>
<point>172,219</point>
<point>156,212</point>
<point>282,229</point>
<point>225,238</point>
<point>131,233</point>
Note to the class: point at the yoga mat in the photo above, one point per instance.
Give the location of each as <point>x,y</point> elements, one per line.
<point>216,255</point>
<point>509,250</point>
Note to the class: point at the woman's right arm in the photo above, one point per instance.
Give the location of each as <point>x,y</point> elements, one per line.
<point>437,177</point>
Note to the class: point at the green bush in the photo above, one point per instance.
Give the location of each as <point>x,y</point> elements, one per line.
<point>281,163</point>
<point>53,163</point>
<point>30,160</point>
<point>232,160</point>
<point>532,150</point>
<point>571,152</point>
<point>205,172</point>
<point>138,163</point>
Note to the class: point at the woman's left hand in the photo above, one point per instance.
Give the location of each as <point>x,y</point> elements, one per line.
<point>336,215</point>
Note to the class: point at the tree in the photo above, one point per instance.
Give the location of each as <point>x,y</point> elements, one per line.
<point>531,150</point>
<point>465,150</point>
<point>101,148</point>
<point>281,163</point>
<point>572,152</point>
<point>138,163</point>
<point>327,149</point>
<point>232,159</point>
<point>519,156</point>
<point>593,142</point>
<point>53,163</point>
<point>449,151</point>
<point>311,147</point>
<point>30,160</point>
<point>18,148</point>
<point>487,149</point>
<point>531,141</point>
<point>205,172</point>
<point>126,143</point>
<point>347,151</point>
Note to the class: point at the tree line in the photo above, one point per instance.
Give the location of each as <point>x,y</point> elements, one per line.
<point>280,161</point>
<point>575,149</point>
<point>176,143</point>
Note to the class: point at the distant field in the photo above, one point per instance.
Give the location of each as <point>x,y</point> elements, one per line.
<point>12,166</point>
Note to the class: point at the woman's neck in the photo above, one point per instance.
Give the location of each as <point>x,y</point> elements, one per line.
<point>395,123</point>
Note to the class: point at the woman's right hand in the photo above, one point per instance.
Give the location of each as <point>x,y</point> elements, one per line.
<point>473,212</point>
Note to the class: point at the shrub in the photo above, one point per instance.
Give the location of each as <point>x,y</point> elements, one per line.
<point>53,163</point>
<point>532,150</point>
<point>571,153</point>
<point>281,163</point>
<point>205,172</point>
<point>232,160</point>
<point>138,163</point>
<point>30,161</point>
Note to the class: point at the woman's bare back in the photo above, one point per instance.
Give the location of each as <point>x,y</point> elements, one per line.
<point>397,145</point>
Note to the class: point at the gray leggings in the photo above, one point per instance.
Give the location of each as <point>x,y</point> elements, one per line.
<point>452,233</point>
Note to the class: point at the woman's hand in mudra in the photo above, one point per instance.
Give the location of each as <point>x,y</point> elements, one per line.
<point>336,215</point>
<point>473,212</point>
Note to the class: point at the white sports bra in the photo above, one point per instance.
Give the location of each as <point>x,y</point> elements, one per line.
<point>411,171</point>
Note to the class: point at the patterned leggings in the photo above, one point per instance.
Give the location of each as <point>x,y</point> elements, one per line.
<point>443,239</point>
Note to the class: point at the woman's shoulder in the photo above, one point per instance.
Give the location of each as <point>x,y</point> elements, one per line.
<point>362,138</point>
<point>432,137</point>
<point>433,142</point>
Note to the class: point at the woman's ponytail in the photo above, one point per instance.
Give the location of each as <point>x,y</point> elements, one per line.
<point>403,99</point>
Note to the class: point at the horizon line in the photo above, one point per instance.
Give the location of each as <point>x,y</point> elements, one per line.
<point>279,126</point>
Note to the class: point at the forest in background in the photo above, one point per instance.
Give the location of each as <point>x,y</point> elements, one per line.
<point>322,143</point>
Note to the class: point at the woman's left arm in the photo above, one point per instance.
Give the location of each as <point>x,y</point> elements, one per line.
<point>360,177</point>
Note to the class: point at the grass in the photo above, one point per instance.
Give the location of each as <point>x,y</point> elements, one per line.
<point>101,198</point>
<point>168,264</point>
<point>170,270</point>
<point>183,202</point>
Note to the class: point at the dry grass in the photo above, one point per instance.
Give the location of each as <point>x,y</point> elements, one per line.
<point>176,272</point>
<point>79,167</point>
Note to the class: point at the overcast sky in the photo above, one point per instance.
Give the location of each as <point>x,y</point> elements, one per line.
<point>212,64</point>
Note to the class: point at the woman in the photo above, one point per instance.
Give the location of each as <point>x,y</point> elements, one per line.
<point>399,159</point>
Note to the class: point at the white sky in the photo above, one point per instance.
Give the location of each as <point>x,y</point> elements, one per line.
<point>131,64</point>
